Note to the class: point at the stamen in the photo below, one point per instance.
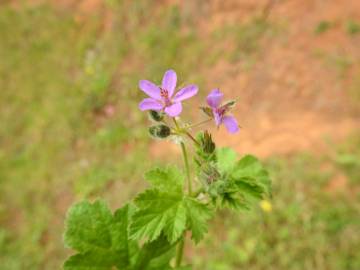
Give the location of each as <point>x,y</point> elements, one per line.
<point>165,96</point>
<point>164,93</point>
<point>221,111</point>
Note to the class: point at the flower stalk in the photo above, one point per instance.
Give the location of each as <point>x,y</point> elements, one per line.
<point>180,252</point>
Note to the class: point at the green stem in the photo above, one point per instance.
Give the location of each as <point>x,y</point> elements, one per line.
<point>192,138</point>
<point>200,123</point>
<point>187,169</point>
<point>180,249</point>
<point>180,252</point>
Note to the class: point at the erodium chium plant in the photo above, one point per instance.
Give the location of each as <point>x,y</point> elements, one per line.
<point>149,232</point>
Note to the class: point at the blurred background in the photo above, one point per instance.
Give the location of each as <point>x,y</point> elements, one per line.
<point>70,128</point>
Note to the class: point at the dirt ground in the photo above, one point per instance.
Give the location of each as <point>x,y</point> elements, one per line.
<point>292,99</point>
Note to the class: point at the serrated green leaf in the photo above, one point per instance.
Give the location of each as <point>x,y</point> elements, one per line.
<point>99,237</point>
<point>251,189</point>
<point>251,175</point>
<point>241,182</point>
<point>155,255</point>
<point>234,200</point>
<point>226,159</point>
<point>90,261</point>
<point>167,179</point>
<point>159,212</point>
<point>197,216</point>
<point>87,227</point>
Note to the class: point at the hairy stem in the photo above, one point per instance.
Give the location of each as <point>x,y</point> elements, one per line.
<point>187,168</point>
<point>180,251</point>
<point>180,248</point>
<point>200,123</point>
<point>191,137</point>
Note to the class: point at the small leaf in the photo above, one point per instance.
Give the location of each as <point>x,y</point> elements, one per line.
<point>197,214</point>
<point>252,189</point>
<point>167,179</point>
<point>226,159</point>
<point>207,111</point>
<point>234,200</point>
<point>250,171</point>
<point>241,183</point>
<point>159,212</point>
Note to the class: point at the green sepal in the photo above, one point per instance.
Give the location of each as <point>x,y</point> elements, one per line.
<point>160,131</point>
<point>156,116</point>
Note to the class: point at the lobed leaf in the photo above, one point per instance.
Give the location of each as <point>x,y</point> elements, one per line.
<point>87,226</point>
<point>241,182</point>
<point>168,214</point>
<point>226,159</point>
<point>197,216</point>
<point>159,212</point>
<point>90,261</point>
<point>99,237</point>
<point>167,179</point>
<point>249,172</point>
<point>155,255</point>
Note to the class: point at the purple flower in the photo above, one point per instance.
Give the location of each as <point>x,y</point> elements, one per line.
<point>220,111</point>
<point>162,97</point>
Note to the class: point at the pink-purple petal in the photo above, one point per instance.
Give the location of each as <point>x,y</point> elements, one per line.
<point>150,89</point>
<point>174,109</point>
<point>230,124</point>
<point>150,104</point>
<point>217,118</point>
<point>186,92</point>
<point>214,98</point>
<point>169,81</point>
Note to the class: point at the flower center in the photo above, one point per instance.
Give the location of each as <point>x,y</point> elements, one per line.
<point>220,111</point>
<point>165,96</point>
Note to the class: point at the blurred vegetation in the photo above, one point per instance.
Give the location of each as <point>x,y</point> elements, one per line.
<point>323,27</point>
<point>352,27</point>
<point>70,129</point>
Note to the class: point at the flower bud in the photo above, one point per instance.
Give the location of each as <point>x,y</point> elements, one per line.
<point>209,174</point>
<point>207,111</point>
<point>230,104</point>
<point>159,131</point>
<point>207,144</point>
<point>156,116</point>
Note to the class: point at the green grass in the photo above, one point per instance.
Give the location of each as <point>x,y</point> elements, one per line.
<point>58,145</point>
